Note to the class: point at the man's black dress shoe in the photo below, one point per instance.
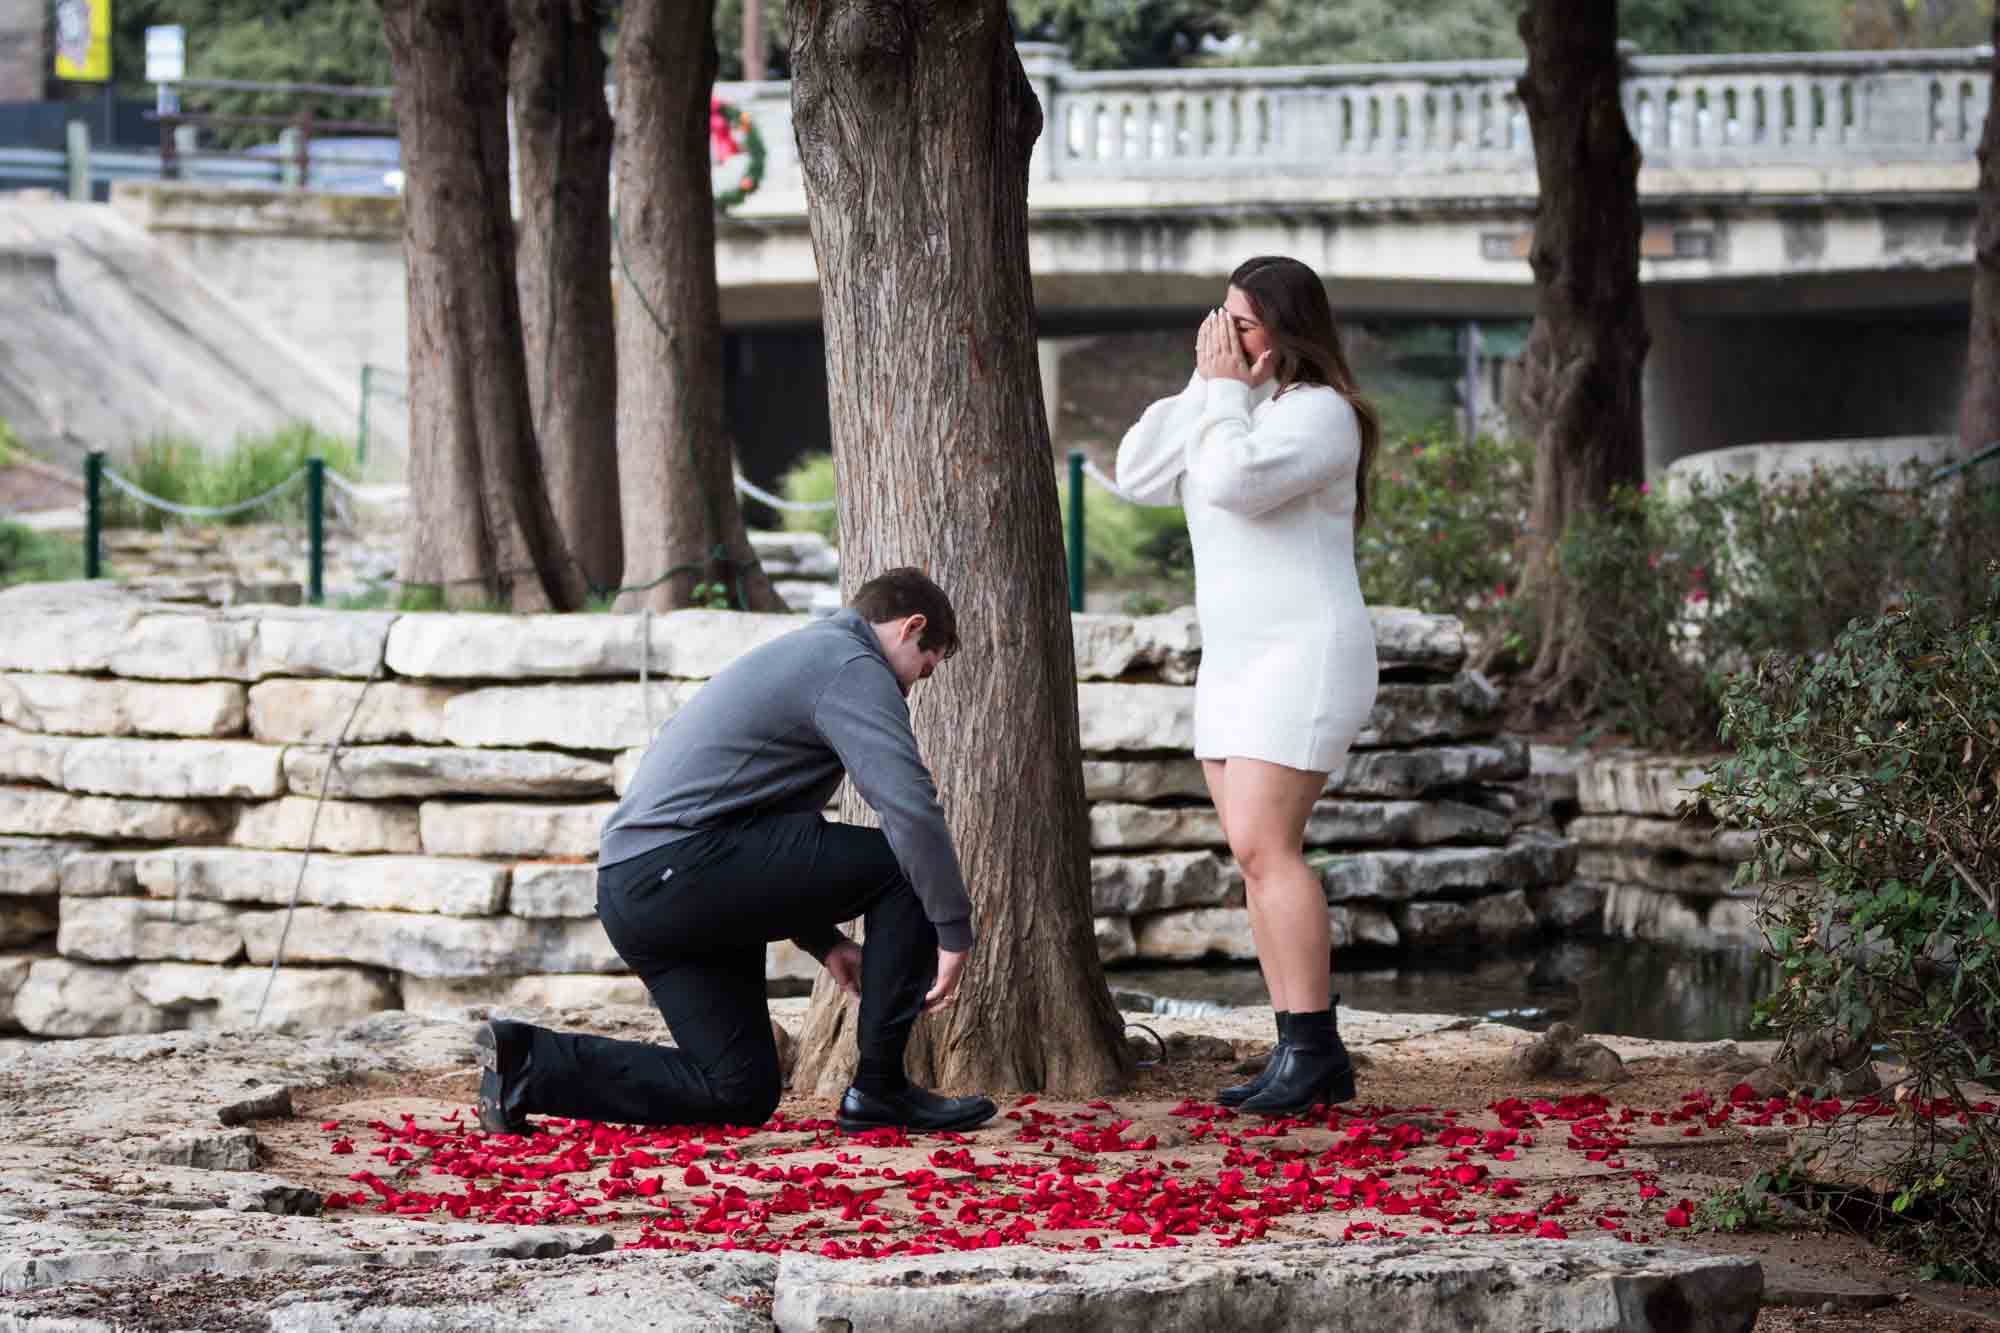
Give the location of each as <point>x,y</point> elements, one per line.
<point>497,1060</point>
<point>916,1109</point>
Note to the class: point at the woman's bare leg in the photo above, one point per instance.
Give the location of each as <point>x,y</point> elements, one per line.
<point>1214,771</point>
<point>1268,805</point>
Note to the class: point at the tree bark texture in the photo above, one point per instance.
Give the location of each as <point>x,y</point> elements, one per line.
<point>1579,384</point>
<point>682,524</point>
<point>914,123</point>
<point>562,134</point>
<point>1979,417</point>
<point>481,526</point>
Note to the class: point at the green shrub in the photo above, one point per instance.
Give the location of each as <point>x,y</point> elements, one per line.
<point>1444,524</point>
<point>27,556</point>
<point>10,444</point>
<point>176,469</point>
<point>810,481</point>
<point>1871,775</point>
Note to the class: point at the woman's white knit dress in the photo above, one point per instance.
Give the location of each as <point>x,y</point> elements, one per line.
<point>1288,669</point>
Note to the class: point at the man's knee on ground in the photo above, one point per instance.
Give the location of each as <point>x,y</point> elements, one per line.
<point>749,1098</point>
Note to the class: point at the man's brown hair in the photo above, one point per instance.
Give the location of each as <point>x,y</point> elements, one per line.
<point>908,591</point>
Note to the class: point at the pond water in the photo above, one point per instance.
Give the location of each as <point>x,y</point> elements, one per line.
<point>1631,988</point>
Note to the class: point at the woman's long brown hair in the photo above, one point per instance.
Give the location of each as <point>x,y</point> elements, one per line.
<point>1291,303</point>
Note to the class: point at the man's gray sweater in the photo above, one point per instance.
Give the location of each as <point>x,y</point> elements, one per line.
<point>772,734</point>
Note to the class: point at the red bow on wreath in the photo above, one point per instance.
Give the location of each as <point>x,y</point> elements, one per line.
<point>722,143</point>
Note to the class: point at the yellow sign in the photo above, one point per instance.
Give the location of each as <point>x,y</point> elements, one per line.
<point>83,40</point>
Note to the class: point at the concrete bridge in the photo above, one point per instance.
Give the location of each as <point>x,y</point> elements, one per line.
<point>1806,257</point>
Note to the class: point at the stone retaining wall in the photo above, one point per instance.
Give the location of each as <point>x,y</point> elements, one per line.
<point>1651,861</point>
<point>160,765</point>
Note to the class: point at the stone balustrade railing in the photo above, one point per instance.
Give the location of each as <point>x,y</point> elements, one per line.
<point>1854,108</point>
<point>161,764</point>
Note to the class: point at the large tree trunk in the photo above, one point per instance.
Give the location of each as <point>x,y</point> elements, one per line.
<point>562,134</point>
<point>683,527</point>
<point>1578,388</point>
<point>480,522</point>
<point>914,123</point>
<point>1979,418</point>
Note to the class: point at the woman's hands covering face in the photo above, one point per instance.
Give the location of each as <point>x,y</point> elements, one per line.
<point>1219,354</point>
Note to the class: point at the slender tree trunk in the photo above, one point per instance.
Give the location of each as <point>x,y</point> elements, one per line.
<point>1578,388</point>
<point>914,123</point>
<point>753,41</point>
<point>562,130</point>
<point>480,521</point>
<point>1979,418</point>
<point>683,527</point>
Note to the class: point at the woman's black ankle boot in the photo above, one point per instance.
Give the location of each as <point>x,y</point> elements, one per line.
<point>1243,1092</point>
<point>1312,1069</point>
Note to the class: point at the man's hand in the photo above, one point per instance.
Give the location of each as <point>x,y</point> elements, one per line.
<point>949,966</point>
<point>843,962</point>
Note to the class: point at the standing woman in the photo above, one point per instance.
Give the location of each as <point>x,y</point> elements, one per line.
<point>1268,449</point>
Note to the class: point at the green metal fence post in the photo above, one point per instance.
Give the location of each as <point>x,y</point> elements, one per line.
<point>1076,529</point>
<point>93,514</point>
<point>316,530</point>
<point>361,443</point>
<point>77,156</point>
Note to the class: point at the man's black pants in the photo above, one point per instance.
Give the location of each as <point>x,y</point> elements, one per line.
<point>692,919</point>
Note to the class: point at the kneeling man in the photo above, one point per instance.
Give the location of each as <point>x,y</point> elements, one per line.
<point>718,847</point>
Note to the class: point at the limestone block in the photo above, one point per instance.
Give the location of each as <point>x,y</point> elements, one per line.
<point>1635,913</point>
<point>448,996</point>
<point>1411,638</point>
<point>1701,839</point>
<point>1572,908</point>
<point>92,706</point>
<point>695,644</point>
<point>302,999</point>
<point>512,828</point>
<point>1632,782</point>
<point>1496,919</point>
<point>32,812</point>
<point>1168,645</point>
<point>32,867</point>
<point>98,874</point>
<point>623,767</point>
<point>314,711</point>
<point>433,946</point>
<point>1349,925</point>
<point>25,920</point>
<point>798,555</point>
<point>117,930</point>
<point>28,756</point>
<point>1143,780</point>
<point>377,772</point>
<point>449,646</point>
<point>54,627</point>
<point>1116,827</point>
<point>1194,932</point>
<point>335,826</point>
<point>1526,860</point>
<point>311,641</point>
<point>596,716</point>
<point>1118,718</point>
<point>786,961</point>
<point>174,646</point>
<point>1105,645</point>
<point>62,998</point>
<point>1663,872</point>
<point>1128,885</point>
<point>1408,773</point>
<point>549,889</point>
<point>1552,769</point>
<point>1429,1282</point>
<point>174,769</point>
<point>410,884</point>
<point>1115,942</point>
<point>1462,708</point>
<point>13,975</point>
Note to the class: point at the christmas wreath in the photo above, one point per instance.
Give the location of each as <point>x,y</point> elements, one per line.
<point>732,133</point>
